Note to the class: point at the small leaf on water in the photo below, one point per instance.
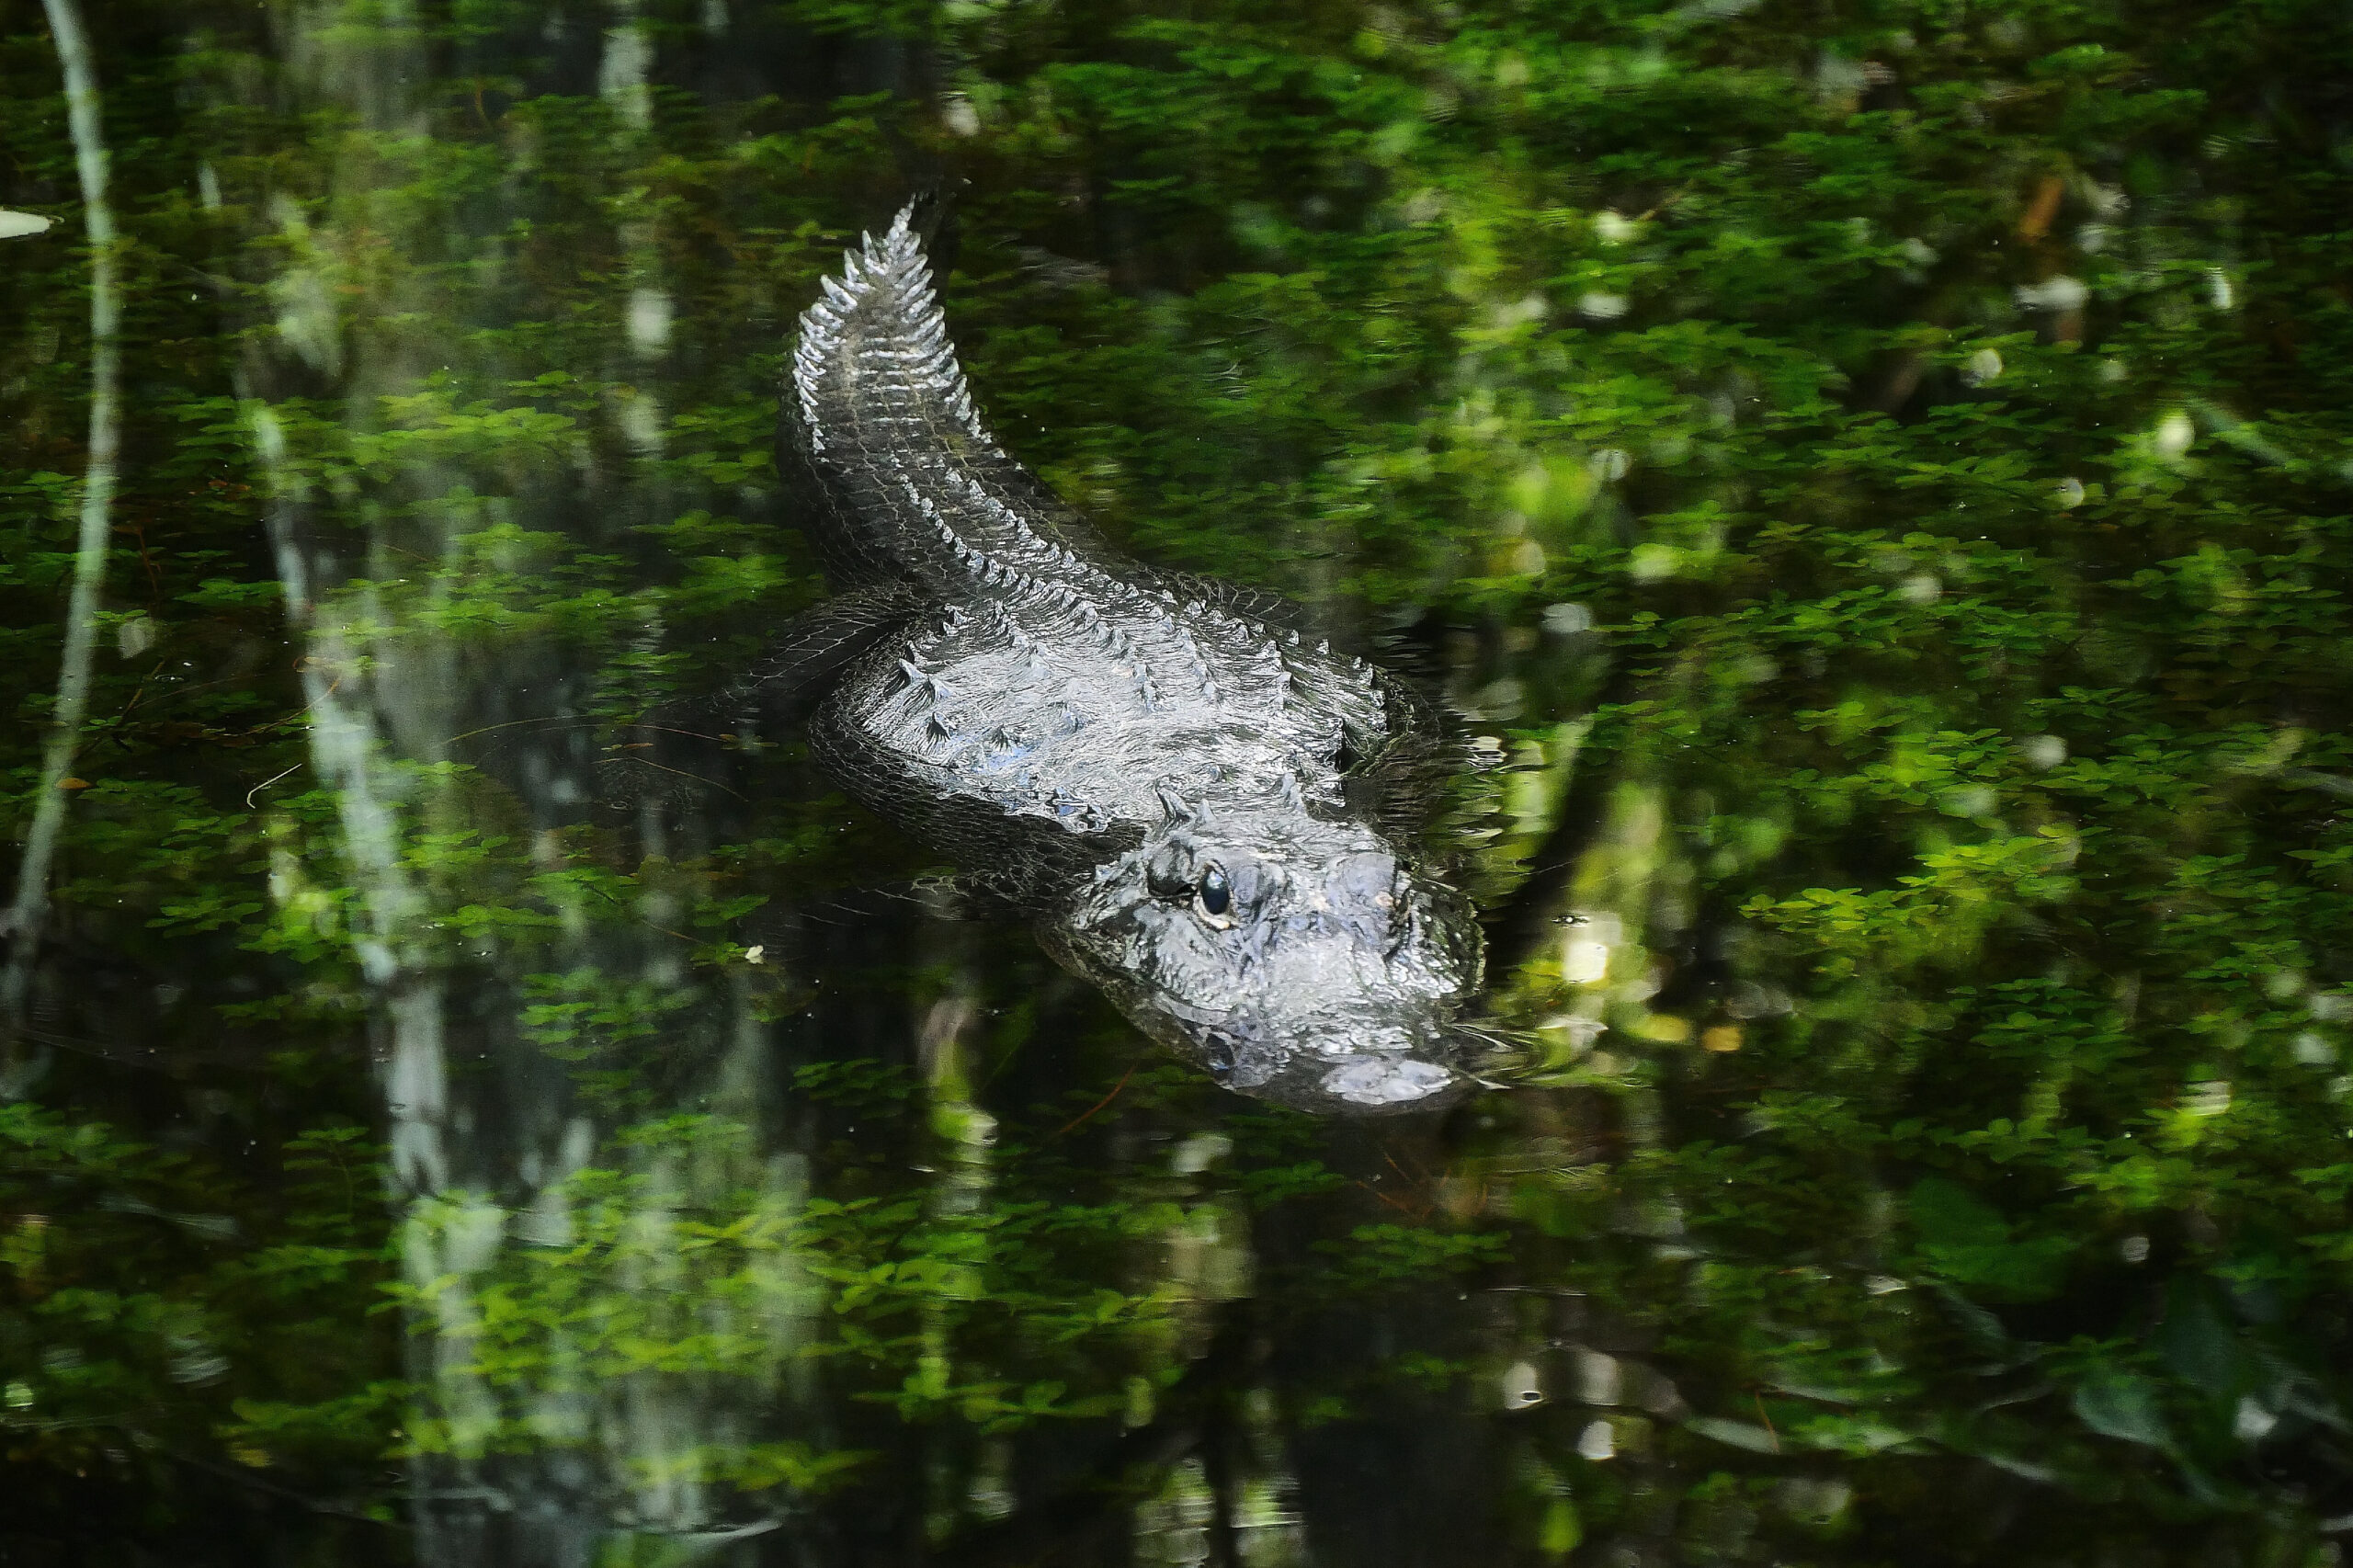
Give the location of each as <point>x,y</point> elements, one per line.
<point>72,783</point>
<point>2121,1404</point>
<point>1739,1434</point>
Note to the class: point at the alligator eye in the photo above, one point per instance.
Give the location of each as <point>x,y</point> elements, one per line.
<point>1213,896</point>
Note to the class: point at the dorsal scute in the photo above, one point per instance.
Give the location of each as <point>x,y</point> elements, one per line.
<point>875,344</point>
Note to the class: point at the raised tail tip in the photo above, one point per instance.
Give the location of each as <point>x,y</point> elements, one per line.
<point>917,220</point>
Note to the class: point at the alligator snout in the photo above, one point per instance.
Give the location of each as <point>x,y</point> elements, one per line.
<point>1326,974</point>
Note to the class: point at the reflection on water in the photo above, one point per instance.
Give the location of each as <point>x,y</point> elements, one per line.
<point>1872,485</point>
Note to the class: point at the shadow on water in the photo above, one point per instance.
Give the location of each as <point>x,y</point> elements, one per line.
<point>1870,488</point>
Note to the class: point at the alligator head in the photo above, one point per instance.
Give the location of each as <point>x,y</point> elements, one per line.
<point>1294,957</point>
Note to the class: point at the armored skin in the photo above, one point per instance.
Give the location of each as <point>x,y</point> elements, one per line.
<point>1158,767</point>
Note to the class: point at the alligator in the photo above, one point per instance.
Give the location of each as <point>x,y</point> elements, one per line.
<point>1181,784</point>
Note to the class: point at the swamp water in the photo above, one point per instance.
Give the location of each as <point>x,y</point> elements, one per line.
<point>1871,482</point>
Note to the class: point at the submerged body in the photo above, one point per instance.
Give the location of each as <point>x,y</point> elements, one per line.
<point>1157,765</point>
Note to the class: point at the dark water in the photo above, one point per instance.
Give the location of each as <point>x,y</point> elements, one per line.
<point>1876,476</point>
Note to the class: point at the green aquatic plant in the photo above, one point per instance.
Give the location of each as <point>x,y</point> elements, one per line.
<point>1874,475</point>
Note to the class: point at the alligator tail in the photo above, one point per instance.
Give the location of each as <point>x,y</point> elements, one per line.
<point>901,478</point>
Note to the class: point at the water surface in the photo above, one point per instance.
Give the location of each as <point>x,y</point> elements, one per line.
<point>1872,480</point>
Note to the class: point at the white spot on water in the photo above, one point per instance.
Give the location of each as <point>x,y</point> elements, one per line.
<point>2060,293</point>
<point>1584,960</point>
<point>621,74</point>
<point>1970,801</point>
<point>649,320</point>
<point>1652,563</point>
<point>1199,1152</point>
<point>2173,436</point>
<point>2211,1098</point>
<point>640,418</point>
<point>1600,1380</point>
<point>1613,227</point>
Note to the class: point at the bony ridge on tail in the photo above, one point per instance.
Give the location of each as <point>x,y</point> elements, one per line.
<point>1150,763</point>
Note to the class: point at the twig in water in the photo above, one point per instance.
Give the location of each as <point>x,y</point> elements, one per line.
<point>1098,1105</point>
<point>264,785</point>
